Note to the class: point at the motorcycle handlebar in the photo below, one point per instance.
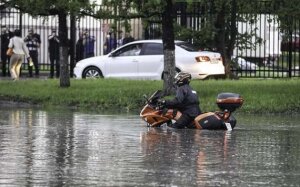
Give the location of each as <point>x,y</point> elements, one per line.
<point>146,98</point>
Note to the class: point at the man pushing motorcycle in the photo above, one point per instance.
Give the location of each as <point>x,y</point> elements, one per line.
<point>186,101</point>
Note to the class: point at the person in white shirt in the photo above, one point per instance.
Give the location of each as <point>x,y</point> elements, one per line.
<point>20,51</point>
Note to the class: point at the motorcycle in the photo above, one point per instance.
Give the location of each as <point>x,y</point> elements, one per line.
<point>156,115</point>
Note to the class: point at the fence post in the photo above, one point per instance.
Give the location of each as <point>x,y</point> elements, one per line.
<point>290,55</point>
<point>290,51</point>
<point>20,23</point>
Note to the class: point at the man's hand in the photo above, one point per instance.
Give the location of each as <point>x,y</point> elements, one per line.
<point>161,103</point>
<point>30,63</point>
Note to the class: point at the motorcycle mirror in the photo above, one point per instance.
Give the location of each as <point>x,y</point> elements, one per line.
<point>145,96</point>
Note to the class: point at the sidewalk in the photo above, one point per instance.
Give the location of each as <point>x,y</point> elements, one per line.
<point>24,76</point>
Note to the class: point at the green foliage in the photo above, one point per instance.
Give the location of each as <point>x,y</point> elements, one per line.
<point>53,7</point>
<point>122,11</point>
<point>202,39</point>
<point>288,14</point>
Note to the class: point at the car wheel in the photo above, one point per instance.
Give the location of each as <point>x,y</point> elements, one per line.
<point>92,73</point>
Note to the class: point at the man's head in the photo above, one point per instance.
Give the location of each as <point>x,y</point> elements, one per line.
<point>3,29</point>
<point>86,32</point>
<point>182,78</point>
<point>30,31</point>
<point>127,34</point>
<point>53,31</point>
<point>17,32</point>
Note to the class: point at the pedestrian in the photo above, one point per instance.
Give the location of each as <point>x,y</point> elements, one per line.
<point>120,39</point>
<point>88,44</point>
<point>128,38</point>
<point>20,51</point>
<point>79,48</point>
<point>186,101</point>
<point>33,42</point>
<point>5,36</point>
<point>54,53</point>
<point>110,42</point>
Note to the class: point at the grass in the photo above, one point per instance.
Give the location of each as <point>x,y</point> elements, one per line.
<point>260,95</point>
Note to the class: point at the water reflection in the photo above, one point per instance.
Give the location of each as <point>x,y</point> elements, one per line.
<point>67,148</point>
<point>35,146</point>
<point>192,156</point>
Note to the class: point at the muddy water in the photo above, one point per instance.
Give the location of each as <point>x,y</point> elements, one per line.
<point>67,148</point>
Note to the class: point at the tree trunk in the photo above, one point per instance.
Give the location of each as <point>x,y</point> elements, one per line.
<point>221,35</point>
<point>63,50</point>
<point>169,48</point>
<point>169,71</point>
<point>226,40</point>
<point>72,43</point>
<point>232,39</point>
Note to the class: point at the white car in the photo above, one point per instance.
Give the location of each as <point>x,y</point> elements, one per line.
<point>245,65</point>
<point>144,59</point>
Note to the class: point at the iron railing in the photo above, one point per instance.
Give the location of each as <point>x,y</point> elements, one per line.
<point>277,56</point>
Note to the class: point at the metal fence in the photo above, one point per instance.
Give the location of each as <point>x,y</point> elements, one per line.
<point>277,56</point>
<point>14,19</point>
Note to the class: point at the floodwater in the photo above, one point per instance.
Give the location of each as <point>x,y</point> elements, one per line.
<point>67,148</point>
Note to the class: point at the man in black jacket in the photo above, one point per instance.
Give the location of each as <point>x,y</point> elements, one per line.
<point>186,101</point>
<point>5,36</point>
<point>54,53</point>
<point>33,42</point>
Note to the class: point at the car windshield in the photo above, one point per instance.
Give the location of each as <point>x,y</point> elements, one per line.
<point>187,46</point>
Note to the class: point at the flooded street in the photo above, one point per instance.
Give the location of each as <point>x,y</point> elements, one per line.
<point>67,148</point>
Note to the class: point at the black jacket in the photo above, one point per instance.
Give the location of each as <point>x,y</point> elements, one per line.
<point>54,47</point>
<point>186,101</point>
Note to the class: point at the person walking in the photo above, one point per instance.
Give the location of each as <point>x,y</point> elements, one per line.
<point>5,36</point>
<point>54,54</point>
<point>33,42</point>
<point>20,51</point>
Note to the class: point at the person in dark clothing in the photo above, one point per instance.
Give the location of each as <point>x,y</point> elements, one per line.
<point>33,42</point>
<point>54,53</point>
<point>5,36</point>
<point>186,101</point>
<point>110,42</point>
<point>128,38</point>
<point>79,48</point>
<point>88,44</point>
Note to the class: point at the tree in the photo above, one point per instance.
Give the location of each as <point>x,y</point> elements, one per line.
<point>169,46</point>
<point>61,8</point>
